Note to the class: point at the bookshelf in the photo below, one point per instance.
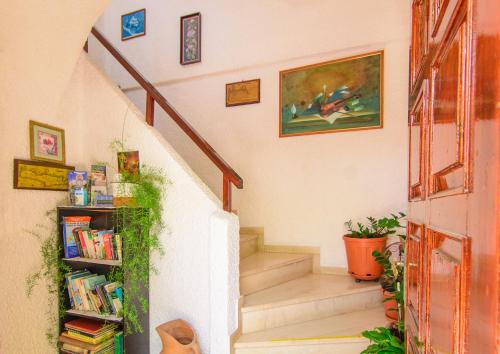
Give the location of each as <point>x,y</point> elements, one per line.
<point>101,218</point>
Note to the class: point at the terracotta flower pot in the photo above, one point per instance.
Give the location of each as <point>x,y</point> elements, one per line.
<point>361,263</point>
<point>390,306</point>
<point>178,337</point>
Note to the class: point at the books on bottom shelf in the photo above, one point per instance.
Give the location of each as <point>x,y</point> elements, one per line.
<point>92,292</point>
<point>86,336</point>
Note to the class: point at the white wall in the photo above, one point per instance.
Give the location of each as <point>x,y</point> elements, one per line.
<point>46,77</point>
<point>301,189</point>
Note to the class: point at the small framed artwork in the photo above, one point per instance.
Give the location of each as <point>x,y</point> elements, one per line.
<point>334,96</point>
<point>133,24</point>
<point>41,175</point>
<point>128,162</point>
<point>191,39</point>
<point>243,92</point>
<point>46,143</point>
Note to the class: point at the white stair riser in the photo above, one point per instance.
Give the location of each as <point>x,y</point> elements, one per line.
<point>248,247</point>
<point>262,280</point>
<point>262,319</point>
<point>302,347</point>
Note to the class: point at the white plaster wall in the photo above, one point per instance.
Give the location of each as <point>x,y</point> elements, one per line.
<point>300,189</point>
<point>46,77</point>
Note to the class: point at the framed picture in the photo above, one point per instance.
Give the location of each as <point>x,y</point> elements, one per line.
<point>243,92</point>
<point>46,143</point>
<point>335,96</point>
<point>41,175</point>
<point>191,39</point>
<point>133,24</point>
<point>128,162</point>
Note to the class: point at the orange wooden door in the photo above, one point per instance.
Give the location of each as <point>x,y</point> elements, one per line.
<point>453,250</point>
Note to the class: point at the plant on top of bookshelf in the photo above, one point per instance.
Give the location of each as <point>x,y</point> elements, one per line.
<point>140,228</point>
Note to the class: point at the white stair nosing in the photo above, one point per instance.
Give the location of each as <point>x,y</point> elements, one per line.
<point>281,264</point>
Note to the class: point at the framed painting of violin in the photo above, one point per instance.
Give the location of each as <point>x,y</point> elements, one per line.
<point>335,96</point>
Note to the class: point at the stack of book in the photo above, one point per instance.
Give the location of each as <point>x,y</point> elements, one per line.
<point>86,336</point>
<point>81,241</point>
<point>92,292</point>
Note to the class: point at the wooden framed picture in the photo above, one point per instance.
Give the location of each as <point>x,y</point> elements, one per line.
<point>46,143</point>
<point>335,96</point>
<point>243,92</point>
<point>41,175</point>
<point>133,24</point>
<point>191,39</point>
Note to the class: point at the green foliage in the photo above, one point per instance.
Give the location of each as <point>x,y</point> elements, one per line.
<point>52,270</point>
<point>140,227</point>
<point>383,341</point>
<point>375,228</point>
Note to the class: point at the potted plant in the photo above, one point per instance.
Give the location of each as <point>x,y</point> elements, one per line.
<point>391,280</point>
<point>362,241</point>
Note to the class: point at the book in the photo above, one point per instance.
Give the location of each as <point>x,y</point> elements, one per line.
<point>98,175</point>
<point>118,343</point>
<point>69,224</point>
<point>80,196</point>
<point>96,191</point>
<point>77,180</point>
<point>66,339</point>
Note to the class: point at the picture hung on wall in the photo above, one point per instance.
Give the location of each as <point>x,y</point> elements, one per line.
<point>191,39</point>
<point>243,92</point>
<point>128,162</point>
<point>46,143</point>
<point>41,175</point>
<point>334,96</point>
<point>133,24</point>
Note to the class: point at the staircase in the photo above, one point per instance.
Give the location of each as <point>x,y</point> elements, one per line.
<point>289,309</point>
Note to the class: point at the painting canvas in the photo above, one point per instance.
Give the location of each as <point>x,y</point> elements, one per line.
<point>40,175</point>
<point>191,39</point>
<point>128,162</point>
<point>244,92</point>
<point>339,95</point>
<point>46,143</point>
<point>134,24</point>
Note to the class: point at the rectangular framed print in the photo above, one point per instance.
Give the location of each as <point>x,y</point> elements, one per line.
<point>243,92</point>
<point>191,39</point>
<point>41,175</point>
<point>46,143</point>
<point>133,24</point>
<point>334,96</point>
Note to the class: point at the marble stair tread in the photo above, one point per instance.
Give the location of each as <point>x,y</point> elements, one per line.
<point>335,329</point>
<point>307,288</point>
<point>247,237</point>
<point>263,261</point>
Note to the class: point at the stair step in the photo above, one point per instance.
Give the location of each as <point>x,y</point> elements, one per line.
<point>311,297</point>
<point>263,270</point>
<point>339,334</point>
<point>248,245</point>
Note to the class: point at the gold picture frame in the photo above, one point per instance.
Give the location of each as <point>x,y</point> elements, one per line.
<point>340,95</point>
<point>47,143</point>
<point>243,92</point>
<point>41,175</point>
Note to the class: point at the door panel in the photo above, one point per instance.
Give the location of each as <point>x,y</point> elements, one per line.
<point>449,117</point>
<point>419,43</point>
<point>447,280</point>
<point>418,123</point>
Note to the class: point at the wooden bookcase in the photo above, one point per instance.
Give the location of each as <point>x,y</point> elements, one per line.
<point>102,218</point>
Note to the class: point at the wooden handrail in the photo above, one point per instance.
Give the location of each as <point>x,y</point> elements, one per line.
<point>153,95</point>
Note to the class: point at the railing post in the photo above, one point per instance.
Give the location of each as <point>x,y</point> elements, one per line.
<point>150,109</point>
<point>226,193</point>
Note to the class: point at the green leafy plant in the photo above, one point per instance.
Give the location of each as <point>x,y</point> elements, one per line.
<point>375,228</point>
<point>52,270</point>
<point>383,341</point>
<point>140,227</point>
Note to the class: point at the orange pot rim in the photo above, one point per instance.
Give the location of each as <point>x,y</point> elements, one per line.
<point>365,240</point>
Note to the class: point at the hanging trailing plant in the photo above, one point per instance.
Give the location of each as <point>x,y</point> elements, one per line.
<point>140,227</point>
<point>52,270</point>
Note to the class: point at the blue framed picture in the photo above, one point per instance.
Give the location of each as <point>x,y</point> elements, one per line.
<point>134,24</point>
